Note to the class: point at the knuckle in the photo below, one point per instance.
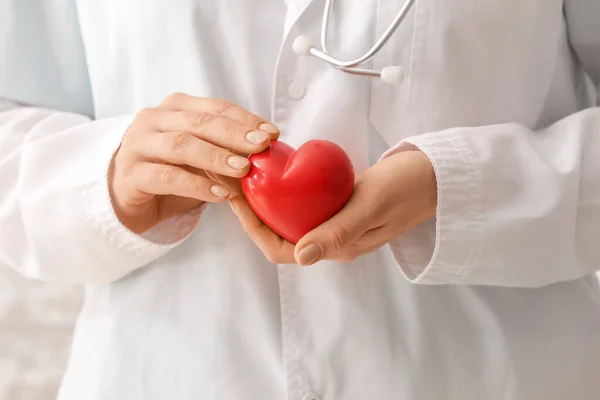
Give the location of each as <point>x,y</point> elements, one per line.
<point>251,120</point>
<point>132,143</point>
<point>144,114</point>
<point>213,102</point>
<point>221,106</point>
<point>195,184</point>
<point>179,142</point>
<point>199,119</point>
<point>232,133</point>
<point>211,155</point>
<point>338,238</point>
<point>174,98</point>
<point>166,175</point>
<point>124,168</point>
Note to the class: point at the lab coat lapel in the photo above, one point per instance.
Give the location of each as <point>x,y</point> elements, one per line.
<point>295,10</point>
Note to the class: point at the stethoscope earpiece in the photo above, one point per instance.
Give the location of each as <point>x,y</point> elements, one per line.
<point>392,75</point>
<point>302,46</point>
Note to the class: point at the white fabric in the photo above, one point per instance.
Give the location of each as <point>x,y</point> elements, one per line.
<point>501,94</point>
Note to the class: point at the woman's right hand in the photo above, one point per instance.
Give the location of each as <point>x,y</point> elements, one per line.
<point>180,154</point>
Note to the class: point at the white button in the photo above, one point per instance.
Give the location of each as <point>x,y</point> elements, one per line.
<point>296,90</point>
<point>311,396</point>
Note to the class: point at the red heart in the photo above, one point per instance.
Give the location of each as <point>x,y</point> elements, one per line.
<point>293,192</point>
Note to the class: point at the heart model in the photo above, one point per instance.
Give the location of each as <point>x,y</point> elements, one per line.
<point>294,191</point>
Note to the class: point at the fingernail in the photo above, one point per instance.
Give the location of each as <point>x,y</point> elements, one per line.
<point>237,162</point>
<point>269,128</point>
<point>219,191</point>
<point>310,254</point>
<point>257,137</point>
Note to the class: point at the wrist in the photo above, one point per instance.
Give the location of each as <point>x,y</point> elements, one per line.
<point>427,181</point>
<point>129,217</point>
<point>430,185</point>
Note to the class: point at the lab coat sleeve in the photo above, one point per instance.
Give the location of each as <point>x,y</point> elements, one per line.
<point>56,218</point>
<point>516,207</point>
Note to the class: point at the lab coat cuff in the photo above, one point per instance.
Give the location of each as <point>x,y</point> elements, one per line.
<point>133,249</point>
<point>444,249</point>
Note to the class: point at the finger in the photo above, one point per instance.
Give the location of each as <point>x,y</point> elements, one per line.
<point>215,129</point>
<point>163,179</point>
<point>369,242</point>
<point>234,184</point>
<point>182,148</point>
<point>276,249</point>
<point>228,109</point>
<point>330,239</point>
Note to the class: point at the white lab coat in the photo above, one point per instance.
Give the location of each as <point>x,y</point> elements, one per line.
<point>502,96</point>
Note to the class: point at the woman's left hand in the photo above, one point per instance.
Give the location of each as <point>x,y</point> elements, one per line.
<point>394,196</point>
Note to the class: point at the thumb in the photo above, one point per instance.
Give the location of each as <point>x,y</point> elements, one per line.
<point>331,238</point>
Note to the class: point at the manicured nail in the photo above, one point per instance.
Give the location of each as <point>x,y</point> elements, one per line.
<point>269,128</point>
<point>310,254</point>
<point>237,162</point>
<point>219,191</point>
<point>257,137</point>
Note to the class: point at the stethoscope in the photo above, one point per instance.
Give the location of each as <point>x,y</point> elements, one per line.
<point>392,74</point>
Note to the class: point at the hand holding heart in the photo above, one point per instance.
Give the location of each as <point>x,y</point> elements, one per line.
<point>394,196</point>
